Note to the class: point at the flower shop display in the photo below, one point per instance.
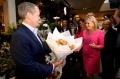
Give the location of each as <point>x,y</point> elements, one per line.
<point>53,25</point>
<point>12,28</point>
<point>7,65</point>
<point>44,28</point>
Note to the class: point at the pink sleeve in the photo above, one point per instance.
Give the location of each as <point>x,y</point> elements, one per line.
<point>101,38</point>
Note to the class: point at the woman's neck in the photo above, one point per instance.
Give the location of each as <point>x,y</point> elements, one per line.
<point>91,30</point>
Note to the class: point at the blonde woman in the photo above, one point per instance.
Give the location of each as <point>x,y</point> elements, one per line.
<point>93,42</point>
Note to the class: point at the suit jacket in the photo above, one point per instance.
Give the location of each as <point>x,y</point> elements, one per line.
<point>66,29</point>
<point>29,55</point>
<point>110,43</point>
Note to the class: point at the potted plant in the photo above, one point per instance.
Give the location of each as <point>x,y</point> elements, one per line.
<point>7,65</point>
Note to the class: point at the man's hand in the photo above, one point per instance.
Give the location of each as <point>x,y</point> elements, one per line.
<point>57,63</point>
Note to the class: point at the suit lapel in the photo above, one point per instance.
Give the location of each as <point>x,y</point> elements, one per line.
<point>31,35</point>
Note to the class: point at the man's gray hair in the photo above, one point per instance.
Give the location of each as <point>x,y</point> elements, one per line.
<point>24,8</point>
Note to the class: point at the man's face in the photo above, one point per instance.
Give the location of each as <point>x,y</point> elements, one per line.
<point>64,23</point>
<point>35,18</point>
<point>106,25</point>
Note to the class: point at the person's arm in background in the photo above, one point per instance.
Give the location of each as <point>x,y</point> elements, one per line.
<point>117,15</point>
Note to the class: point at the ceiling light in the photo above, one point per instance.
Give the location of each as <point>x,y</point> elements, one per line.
<point>84,8</point>
<point>65,10</point>
<point>106,1</point>
<point>76,16</point>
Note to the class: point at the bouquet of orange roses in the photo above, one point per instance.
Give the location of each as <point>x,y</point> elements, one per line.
<point>62,44</point>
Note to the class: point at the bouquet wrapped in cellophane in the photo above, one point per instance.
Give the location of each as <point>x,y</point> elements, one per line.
<point>62,44</point>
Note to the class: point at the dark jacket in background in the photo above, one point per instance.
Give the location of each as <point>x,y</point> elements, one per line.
<point>67,28</point>
<point>110,42</point>
<point>108,54</point>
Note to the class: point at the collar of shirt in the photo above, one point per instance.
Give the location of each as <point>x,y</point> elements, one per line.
<point>34,30</point>
<point>105,31</point>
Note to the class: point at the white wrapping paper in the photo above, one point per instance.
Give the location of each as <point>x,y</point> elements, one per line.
<point>61,51</point>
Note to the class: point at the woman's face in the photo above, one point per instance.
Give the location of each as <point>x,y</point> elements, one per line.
<point>89,24</point>
<point>81,24</point>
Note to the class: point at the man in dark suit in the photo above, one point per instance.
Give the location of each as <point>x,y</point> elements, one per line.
<point>117,20</point>
<point>108,52</point>
<point>26,47</point>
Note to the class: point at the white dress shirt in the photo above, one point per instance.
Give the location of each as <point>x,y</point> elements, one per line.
<point>34,30</point>
<point>105,31</point>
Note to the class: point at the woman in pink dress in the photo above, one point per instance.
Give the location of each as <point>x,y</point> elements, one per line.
<point>93,41</point>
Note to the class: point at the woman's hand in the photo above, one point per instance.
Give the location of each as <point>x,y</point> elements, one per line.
<point>93,45</point>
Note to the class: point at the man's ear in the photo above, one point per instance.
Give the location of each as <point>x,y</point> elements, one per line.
<point>29,15</point>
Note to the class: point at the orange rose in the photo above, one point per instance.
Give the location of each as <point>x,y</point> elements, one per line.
<point>58,42</point>
<point>65,42</point>
<point>61,41</point>
<point>72,46</point>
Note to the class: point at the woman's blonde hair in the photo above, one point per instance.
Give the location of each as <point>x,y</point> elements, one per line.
<point>92,19</point>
